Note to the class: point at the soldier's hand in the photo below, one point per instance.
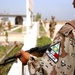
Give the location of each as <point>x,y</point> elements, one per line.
<point>25,57</point>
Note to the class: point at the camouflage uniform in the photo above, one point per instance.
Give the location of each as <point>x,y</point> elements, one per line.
<point>52,27</point>
<point>1,26</point>
<point>66,63</point>
<point>9,25</point>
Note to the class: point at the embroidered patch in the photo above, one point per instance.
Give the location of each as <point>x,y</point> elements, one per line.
<point>53,52</point>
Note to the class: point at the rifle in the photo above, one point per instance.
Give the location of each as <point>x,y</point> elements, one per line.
<point>36,51</point>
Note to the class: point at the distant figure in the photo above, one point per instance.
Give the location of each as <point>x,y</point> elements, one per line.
<point>40,22</point>
<point>1,27</point>
<point>9,25</point>
<point>52,26</point>
<point>6,35</point>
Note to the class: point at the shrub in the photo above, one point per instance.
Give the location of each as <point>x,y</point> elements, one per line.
<point>43,41</point>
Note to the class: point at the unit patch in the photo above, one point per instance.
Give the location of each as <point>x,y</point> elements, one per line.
<point>53,52</point>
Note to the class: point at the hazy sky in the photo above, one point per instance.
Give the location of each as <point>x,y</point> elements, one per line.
<point>61,9</point>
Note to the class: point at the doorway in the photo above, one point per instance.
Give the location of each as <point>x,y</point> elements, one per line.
<point>19,20</point>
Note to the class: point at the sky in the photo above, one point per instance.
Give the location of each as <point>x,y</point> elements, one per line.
<point>61,9</point>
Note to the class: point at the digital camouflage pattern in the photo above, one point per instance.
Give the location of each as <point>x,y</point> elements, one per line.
<point>66,62</point>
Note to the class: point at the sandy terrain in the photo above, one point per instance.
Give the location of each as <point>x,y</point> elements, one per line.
<point>58,26</point>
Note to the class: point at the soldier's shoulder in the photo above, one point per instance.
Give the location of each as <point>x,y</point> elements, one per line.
<point>67,27</point>
<point>72,23</point>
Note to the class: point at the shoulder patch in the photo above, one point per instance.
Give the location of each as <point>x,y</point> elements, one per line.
<point>53,52</point>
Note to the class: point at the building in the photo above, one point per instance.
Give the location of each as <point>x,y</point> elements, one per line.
<point>13,18</point>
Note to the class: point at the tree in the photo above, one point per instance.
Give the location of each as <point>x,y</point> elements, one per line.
<point>38,16</point>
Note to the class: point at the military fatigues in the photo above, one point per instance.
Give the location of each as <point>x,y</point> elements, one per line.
<point>1,27</point>
<point>52,28</point>
<point>9,25</point>
<point>66,62</point>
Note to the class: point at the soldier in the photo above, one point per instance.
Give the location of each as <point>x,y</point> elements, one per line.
<point>9,25</point>
<point>52,26</point>
<point>1,27</point>
<point>59,58</point>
